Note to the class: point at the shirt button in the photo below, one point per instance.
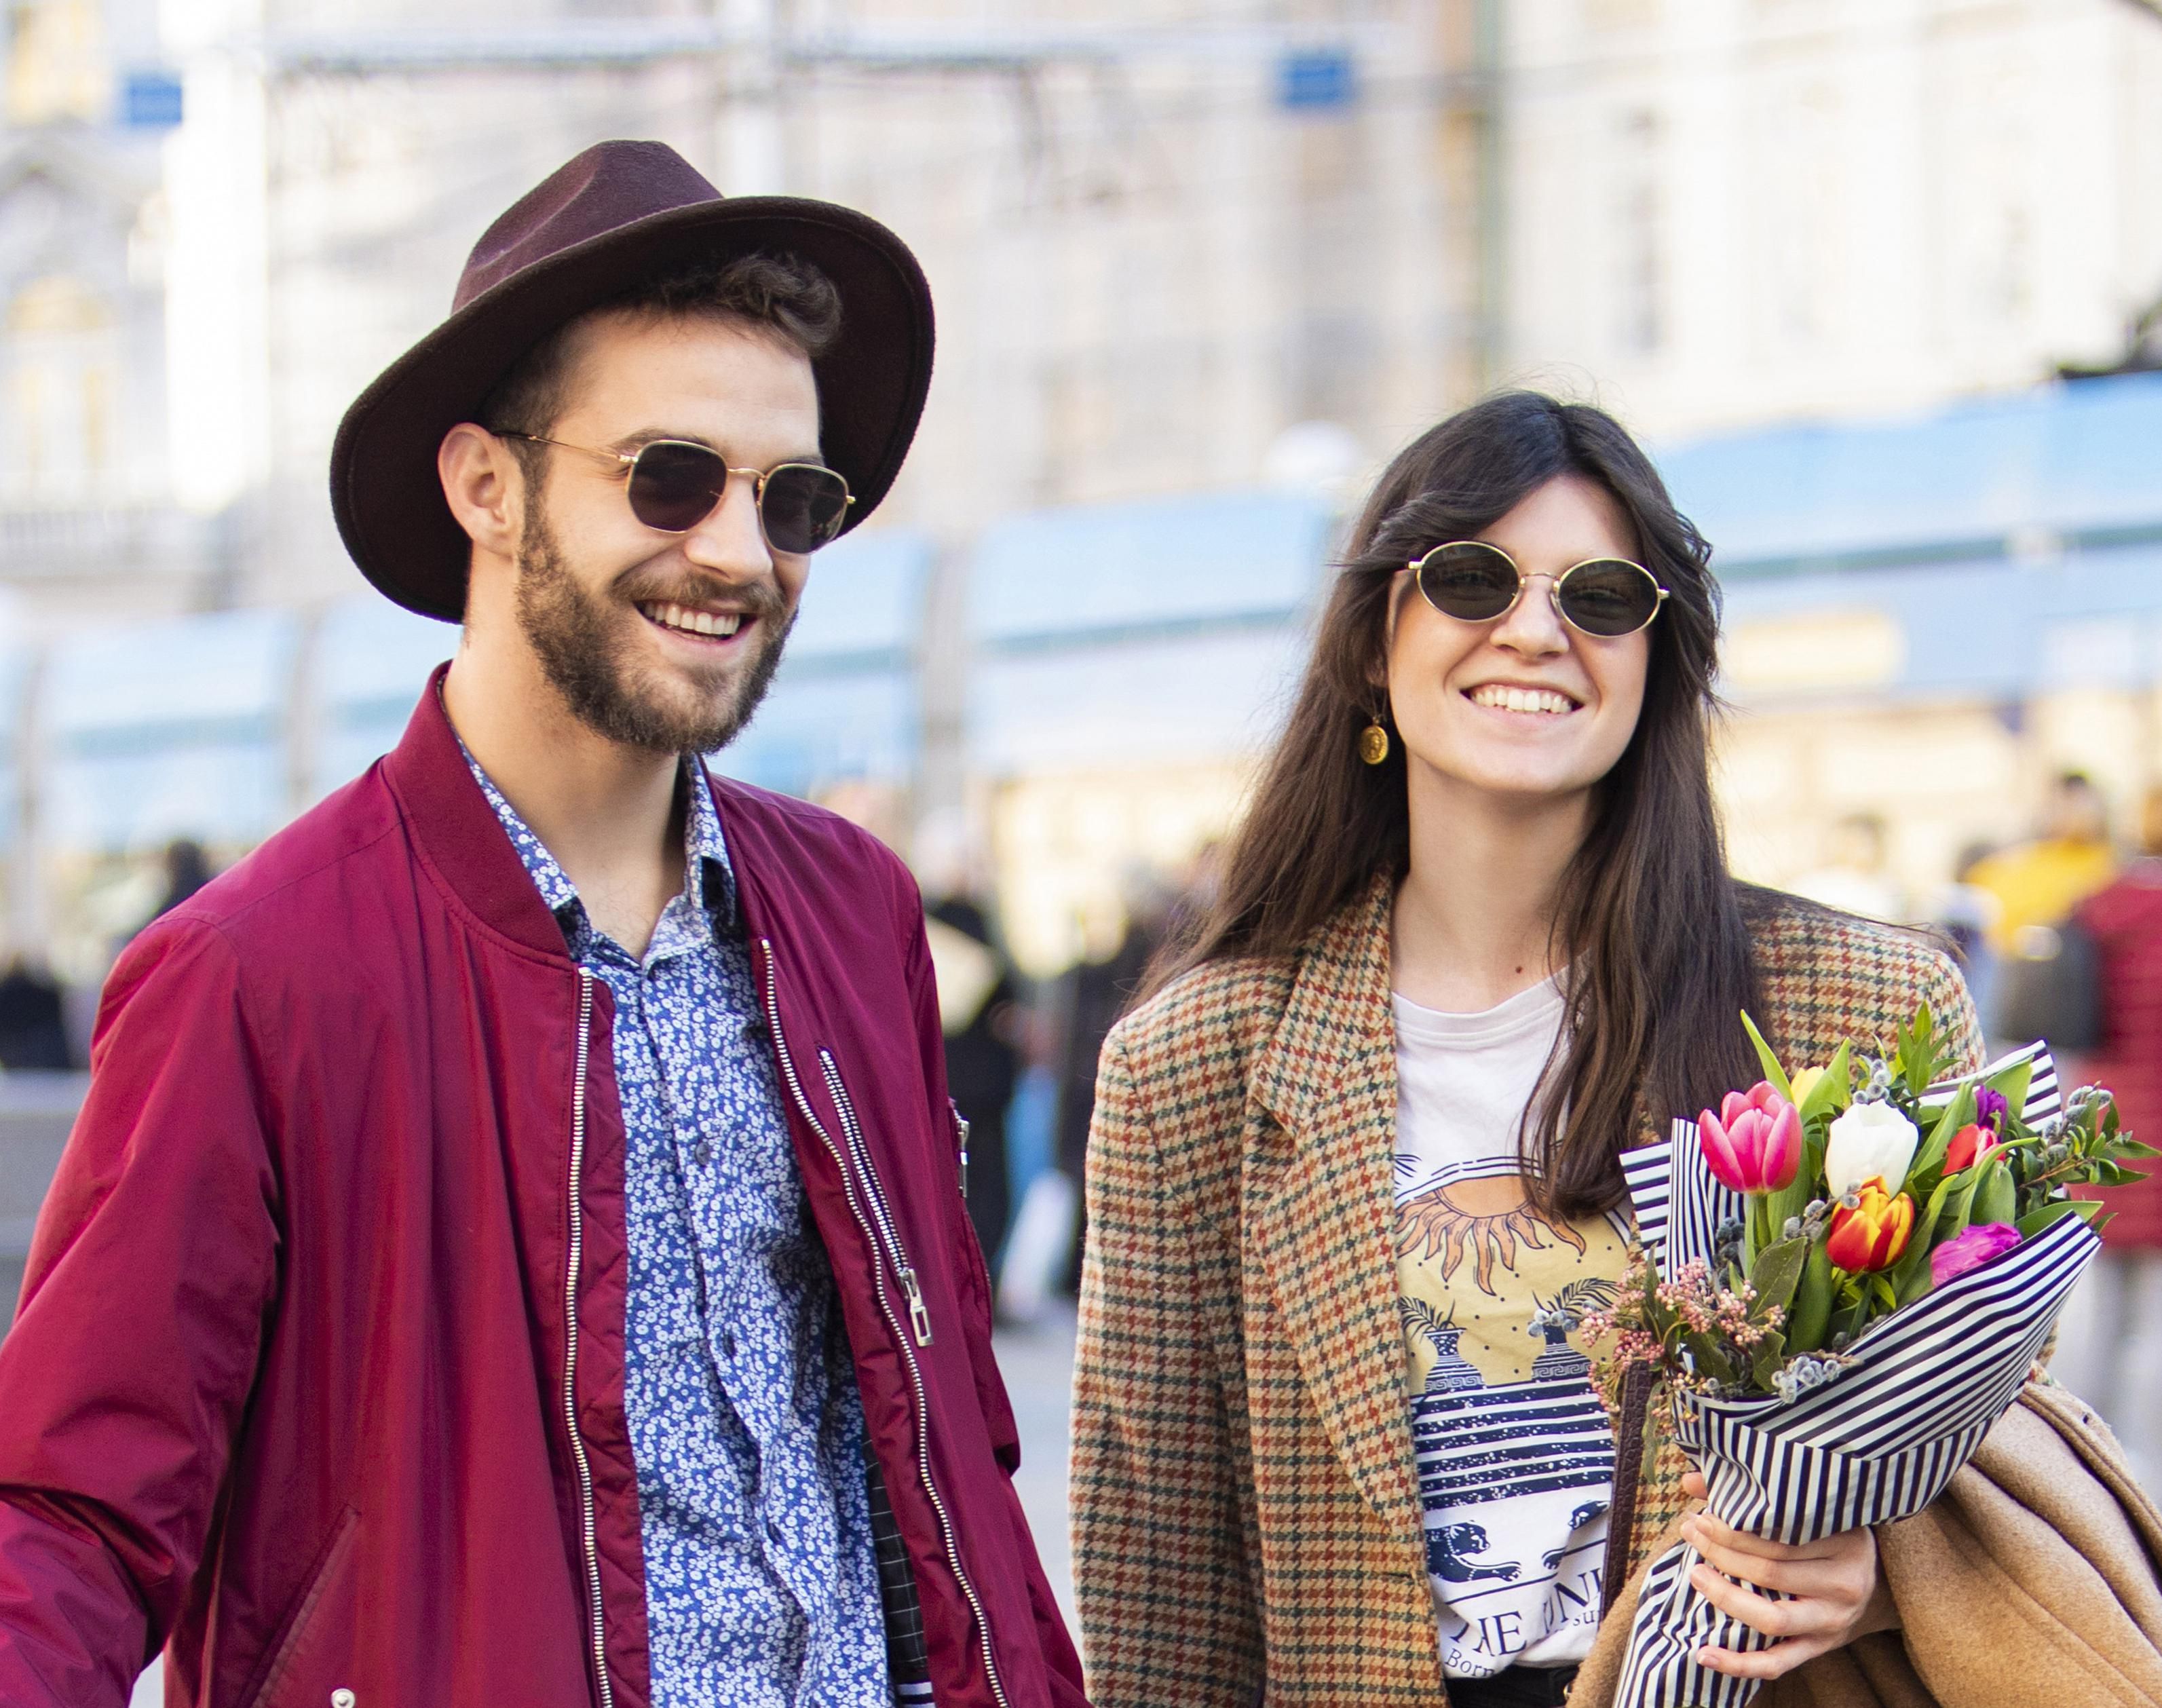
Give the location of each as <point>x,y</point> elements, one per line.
<point>772,1533</point>
<point>727,1343</point>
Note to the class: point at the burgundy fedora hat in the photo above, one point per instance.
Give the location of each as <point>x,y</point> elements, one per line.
<point>589,231</point>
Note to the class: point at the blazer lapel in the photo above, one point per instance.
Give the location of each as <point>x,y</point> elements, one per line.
<point>1319,1203</point>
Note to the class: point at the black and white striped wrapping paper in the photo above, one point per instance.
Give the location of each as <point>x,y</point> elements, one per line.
<point>1878,1443</point>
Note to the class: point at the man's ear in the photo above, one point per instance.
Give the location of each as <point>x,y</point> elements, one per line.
<point>484,487</point>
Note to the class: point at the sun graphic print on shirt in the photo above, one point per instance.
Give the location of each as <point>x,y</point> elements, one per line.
<point>1515,1458</point>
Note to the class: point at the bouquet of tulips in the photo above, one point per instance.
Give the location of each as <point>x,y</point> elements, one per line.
<point>1842,1277</point>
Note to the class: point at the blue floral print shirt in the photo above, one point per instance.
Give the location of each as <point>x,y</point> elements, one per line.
<point>746,1427</point>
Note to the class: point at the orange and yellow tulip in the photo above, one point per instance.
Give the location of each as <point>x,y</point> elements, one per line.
<point>1872,1236</point>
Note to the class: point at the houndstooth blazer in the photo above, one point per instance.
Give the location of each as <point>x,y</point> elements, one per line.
<point>1246,1521</point>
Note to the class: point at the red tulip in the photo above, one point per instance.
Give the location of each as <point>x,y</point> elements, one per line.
<point>1872,1236</point>
<point>1754,1143</point>
<point>1970,1144</point>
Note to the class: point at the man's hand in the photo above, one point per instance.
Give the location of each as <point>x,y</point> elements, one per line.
<point>1835,1590</point>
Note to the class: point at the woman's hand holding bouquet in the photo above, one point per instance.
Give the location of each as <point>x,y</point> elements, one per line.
<point>1844,1276</point>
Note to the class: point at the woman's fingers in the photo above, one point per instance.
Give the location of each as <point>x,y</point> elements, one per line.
<point>1848,1547</point>
<point>1764,1662</point>
<point>1827,1592</point>
<point>1833,1579</point>
<point>1800,1615</point>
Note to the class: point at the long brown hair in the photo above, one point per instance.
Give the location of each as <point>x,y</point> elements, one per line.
<point>1652,923</point>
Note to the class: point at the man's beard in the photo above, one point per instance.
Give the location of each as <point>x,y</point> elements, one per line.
<point>578,637</point>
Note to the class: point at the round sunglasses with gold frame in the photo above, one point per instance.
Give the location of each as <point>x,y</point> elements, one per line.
<point>1475,582</point>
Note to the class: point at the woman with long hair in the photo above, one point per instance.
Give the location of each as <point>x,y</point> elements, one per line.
<point>1354,1178</point>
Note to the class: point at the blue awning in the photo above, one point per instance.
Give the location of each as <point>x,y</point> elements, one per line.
<point>171,728</point>
<point>2068,460</point>
<point>219,676</point>
<point>1133,570</point>
<point>372,659</point>
<point>864,599</point>
<point>1991,630</point>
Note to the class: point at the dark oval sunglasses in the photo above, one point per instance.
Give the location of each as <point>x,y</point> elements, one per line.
<point>676,484</point>
<point>1475,582</point>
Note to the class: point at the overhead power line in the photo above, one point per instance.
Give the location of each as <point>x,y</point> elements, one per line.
<point>585,44</point>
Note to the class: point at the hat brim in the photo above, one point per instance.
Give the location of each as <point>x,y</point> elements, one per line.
<point>385,492</point>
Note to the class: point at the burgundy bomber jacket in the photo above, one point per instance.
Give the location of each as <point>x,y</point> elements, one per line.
<point>318,1378</point>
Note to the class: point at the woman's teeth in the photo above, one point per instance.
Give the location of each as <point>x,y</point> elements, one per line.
<point>1504,699</point>
<point>691,621</point>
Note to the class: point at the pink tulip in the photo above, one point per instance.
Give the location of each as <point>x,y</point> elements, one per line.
<point>1971,1250</point>
<point>1754,1143</point>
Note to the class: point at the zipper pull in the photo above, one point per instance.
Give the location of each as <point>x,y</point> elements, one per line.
<point>961,1133</point>
<point>919,1314</point>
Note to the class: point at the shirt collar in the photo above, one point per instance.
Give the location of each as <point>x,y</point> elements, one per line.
<point>709,879</point>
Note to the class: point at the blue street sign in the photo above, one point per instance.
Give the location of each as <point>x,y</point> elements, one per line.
<point>1316,80</point>
<point>150,101</point>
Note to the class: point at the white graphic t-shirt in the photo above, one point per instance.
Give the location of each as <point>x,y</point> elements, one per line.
<point>1515,1459</point>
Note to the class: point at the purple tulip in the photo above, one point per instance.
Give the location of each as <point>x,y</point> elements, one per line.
<point>1990,1108</point>
<point>1979,1245</point>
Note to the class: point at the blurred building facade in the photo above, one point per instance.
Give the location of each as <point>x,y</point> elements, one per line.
<point>1200,268</point>
<point>1176,249</point>
<point>1722,213</point>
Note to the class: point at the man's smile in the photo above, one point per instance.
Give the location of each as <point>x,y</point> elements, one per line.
<point>691,623</point>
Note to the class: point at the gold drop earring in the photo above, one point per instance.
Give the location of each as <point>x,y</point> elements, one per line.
<point>1374,742</point>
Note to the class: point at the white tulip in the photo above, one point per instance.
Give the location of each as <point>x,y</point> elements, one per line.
<point>1870,1139</point>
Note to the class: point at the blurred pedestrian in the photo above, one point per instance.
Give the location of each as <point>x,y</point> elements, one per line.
<point>979,1013</point>
<point>512,1251</point>
<point>2109,1346</point>
<point>1962,913</point>
<point>187,869</point>
<point>1093,995</point>
<point>2038,882</point>
<point>1855,876</point>
<point>33,1020</point>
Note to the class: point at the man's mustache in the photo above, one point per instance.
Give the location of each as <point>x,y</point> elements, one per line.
<point>756,599</point>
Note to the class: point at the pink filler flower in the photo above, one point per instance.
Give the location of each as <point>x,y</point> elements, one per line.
<point>1754,1143</point>
<point>1980,1244</point>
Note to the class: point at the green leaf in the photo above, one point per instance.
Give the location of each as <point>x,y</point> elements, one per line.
<point>1995,1198</point>
<point>1793,1198</point>
<point>1711,1359</point>
<point>1834,1086</point>
<point>1778,1272</point>
<point>1765,1360</point>
<point>1918,1053</point>
<point>1945,1218</point>
<point>2012,1083</point>
<point>2057,1209</point>
<point>1929,1156</point>
<point>1772,1071</point>
<point>1881,1294</point>
<point>1916,1258</point>
<point>1810,1318</point>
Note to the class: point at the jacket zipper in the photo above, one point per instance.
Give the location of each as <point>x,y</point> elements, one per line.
<point>577,1236</point>
<point>919,1314</point>
<point>961,1142</point>
<point>885,1307</point>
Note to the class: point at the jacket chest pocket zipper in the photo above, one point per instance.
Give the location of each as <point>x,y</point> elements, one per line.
<point>888,1230</point>
<point>878,1225</point>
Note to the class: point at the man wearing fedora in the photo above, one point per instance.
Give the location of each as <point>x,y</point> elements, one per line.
<point>514,1250</point>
